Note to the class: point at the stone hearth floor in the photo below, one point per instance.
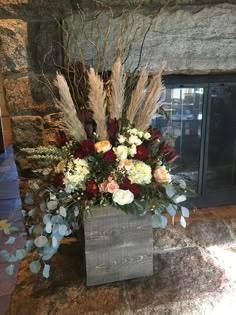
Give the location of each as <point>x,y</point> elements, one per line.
<point>194,273</point>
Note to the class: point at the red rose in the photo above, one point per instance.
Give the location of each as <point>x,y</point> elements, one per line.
<point>92,187</point>
<point>109,155</point>
<point>134,188</point>
<point>141,153</point>
<point>155,134</point>
<point>57,180</point>
<point>87,147</point>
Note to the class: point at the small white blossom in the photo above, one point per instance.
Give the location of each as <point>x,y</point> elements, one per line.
<point>147,135</point>
<point>132,150</point>
<point>121,139</point>
<point>121,152</point>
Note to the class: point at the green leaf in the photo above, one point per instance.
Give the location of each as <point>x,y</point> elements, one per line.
<point>76,211</point>
<point>46,271</point>
<point>48,252</point>
<point>4,255</point>
<point>10,269</point>
<point>29,198</point>
<point>13,259</point>
<point>40,241</point>
<point>47,218</point>
<point>23,212</point>
<point>48,227</point>
<point>20,254</point>
<point>62,211</point>
<point>13,229</point>
<point>185,212</point>
<point>11,240</point>
<point>52,205</point>
<point>163,222</point>
<point>183,222</point>
<point>35,266</point>
<point>170,191</point>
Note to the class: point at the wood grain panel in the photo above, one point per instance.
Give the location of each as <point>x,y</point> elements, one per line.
<point>118,246</point>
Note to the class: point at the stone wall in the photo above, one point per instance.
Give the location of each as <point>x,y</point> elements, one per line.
<point>191,35</point>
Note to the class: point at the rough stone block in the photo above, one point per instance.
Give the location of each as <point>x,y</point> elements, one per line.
<point>191,39</point>
<point>27,131</point>
<point>53,120</point>
<point>44,46</point>
<point>13,35</point>
<point>28,96</point>
<point>50,136</point>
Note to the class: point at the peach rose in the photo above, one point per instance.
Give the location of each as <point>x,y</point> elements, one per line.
<point>104,186</point>
<point>161,175</point>
<point>127,164</point>
<point>103,146</point>
<point>112,187</point>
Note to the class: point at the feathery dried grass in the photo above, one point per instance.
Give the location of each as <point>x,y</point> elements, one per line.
<point>117,91</point>
<point>71,123</point>
<point>97,103</point>
<point>137,96</point>
<point>151,102</point>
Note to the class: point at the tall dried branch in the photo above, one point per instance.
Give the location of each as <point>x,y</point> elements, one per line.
<point>117,90</point>
<point>97,103</point>
<point>71,122</point>
<point>151,102</point>
<point>137,96</point>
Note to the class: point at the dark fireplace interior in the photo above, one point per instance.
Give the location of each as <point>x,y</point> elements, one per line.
<point>200,115</point>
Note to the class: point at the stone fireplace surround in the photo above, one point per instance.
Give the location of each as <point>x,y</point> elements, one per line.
<point>193,36</point>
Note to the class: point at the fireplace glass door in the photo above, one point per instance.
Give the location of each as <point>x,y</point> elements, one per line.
<point>200,121</point>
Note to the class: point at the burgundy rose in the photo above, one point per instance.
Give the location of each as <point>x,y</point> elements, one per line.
<point>57,180</point>
<point>92,187</point>
<point>171,157</point>
<point>166,148</point>
<point>155,134</point>
<point>78,154</point>
<point>113,129</point>
<point>134,188</point>
<point>87,147</point>
<point>141,152</point>
<point>60,139</point>
<point>109,155</point>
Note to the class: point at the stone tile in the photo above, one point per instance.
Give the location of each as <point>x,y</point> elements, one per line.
<point>14,51</point>
<point>27,130</point>
<point>29,95</point>
<point>232,224</point>
<point>7,283</point>
<point>209,233</point>
<point>178,276</point>
<point>4,302</point>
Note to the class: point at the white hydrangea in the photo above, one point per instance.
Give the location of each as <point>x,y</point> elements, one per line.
<point>121,139</point>
<point>147,135</point>
<point>133,131</point>
<point>76,175</point>
<point>141,173</point>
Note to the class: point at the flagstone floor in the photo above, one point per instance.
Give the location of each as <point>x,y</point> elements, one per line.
<point>194,273</point>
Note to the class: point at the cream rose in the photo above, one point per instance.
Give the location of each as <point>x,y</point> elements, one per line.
<point>103,146</point>
<point>161,175</point>
<point>147,135</point>
<point>123,197</point>
<point>121,152</point>
<point>132,150</point>
<point>134,140</point>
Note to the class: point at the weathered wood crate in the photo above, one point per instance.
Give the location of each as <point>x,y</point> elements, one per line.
<point>118,246</point>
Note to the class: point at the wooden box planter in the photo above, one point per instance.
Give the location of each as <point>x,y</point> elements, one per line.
<point>118,246</point>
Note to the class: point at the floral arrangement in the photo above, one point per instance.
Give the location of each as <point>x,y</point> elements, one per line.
<point>121,162</point>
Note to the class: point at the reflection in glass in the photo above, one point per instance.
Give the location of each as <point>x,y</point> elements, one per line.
<point>222,139</point>
<point>182,119</point>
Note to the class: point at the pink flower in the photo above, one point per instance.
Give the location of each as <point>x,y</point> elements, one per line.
<point>104,186</point>
<point>112,187</point>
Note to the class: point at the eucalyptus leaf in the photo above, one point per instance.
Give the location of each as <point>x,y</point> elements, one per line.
<point>31,229</point>
<point>32,213</point>
<point>48,227</point>
<point>54,242</point>
<point>13,259</point>
<point>29,198</point>
<point>76,211</point>
<point>183,222</point>
<point>52,205</point>
<point>182,184</point>
<point>48,252</point>
<point>185,212</point>
<point>42,206</point>
<point>11,240</point>
<point>35,266</point>
<point>23,212</point>
<point>171,210</point>
<point>62,211</point>
<point>47,218</point>
<point>62,229</point>
<point>40,241</point>
<point>4,254</point>
<point>57,219</point>
<point>46,271</point>
<point>29,245</point>
<point>13,229</point>
<point>179,199</point>
<point>20,254</point>
<point>163,222</point>
<point>10,269</point>
<point>156,220</point>
<point>170,190</point>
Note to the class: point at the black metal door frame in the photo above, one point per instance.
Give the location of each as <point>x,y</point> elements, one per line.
<point>204,198</point>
